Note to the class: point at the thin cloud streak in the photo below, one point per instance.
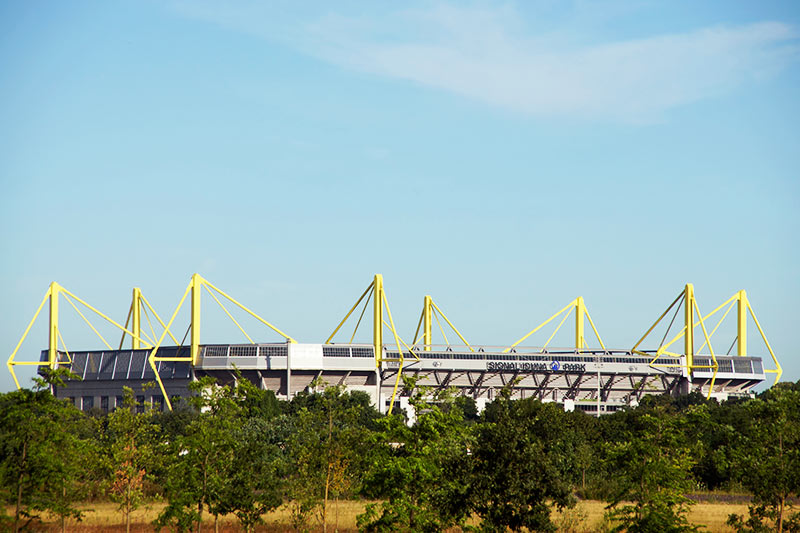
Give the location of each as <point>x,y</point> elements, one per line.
<point>485,55</point>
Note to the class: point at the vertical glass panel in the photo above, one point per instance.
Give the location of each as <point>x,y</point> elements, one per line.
<point>107,365</point>
<point>137,364</point>
<point>121,369</point>
<point>92,366</point>
<point>79,363</point>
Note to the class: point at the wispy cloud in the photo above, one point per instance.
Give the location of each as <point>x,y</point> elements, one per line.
<point>487,54</point>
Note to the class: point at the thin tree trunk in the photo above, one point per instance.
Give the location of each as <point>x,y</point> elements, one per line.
<point>780,516</point>
<point>128,509</point>
<point>216,523</point>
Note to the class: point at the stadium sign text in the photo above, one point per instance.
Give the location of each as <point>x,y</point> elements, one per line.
<point>554,366</point>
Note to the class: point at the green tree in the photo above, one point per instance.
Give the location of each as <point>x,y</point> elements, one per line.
<point>652,466</point>
<point>327,450</point>
<point>515,472</point>
<point>767,458</point>
<point>201,459</point>
<point>39,451</point>
<point>255,478</point>
<point>421,471</point>
<point>130,439</point>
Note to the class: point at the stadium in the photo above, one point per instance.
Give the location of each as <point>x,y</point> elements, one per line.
<point>595,380</point>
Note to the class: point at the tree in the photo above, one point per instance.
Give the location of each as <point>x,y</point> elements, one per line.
<point>39,453</point>
<point>420,471</point>
<point>515,471</point>
<point>652,466</point>
<point>767,458</point>
<point>255,476</point>
<point>201,459</point>
<point>327,450</point>
<point>255,484</point>
<point>130,441</point>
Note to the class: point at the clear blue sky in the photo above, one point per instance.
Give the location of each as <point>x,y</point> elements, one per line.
<point>502,157</point>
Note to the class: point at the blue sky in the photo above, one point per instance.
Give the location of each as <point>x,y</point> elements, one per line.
<point>502,157</point>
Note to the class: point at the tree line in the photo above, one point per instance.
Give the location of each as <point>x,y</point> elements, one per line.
<point>236,449</point>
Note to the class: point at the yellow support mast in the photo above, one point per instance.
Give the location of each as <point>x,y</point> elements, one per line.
<point>579,306</point>
<point>377,293</point>
<point>52,296</point>
<point>195,288</point>
<point>377,324</point>
<point>580,310</point>
<point>196,285</point>
<point>52,352</point>
<point>136,311</point>
<point>427,311</point>
<point>688,337</point>
<point>431,312</point>
<point>741,323</point>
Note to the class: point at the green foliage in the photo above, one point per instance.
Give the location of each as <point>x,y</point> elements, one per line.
<point>328,449</point>
<point>40,453</point>
<point>516,466</point>
<point>254,485</point>
<point>129,454</point>
<point>236,449</point>
<point>198,475</point>
<point>652,467</point>
<point>766,457</point>
<point>421,471</point>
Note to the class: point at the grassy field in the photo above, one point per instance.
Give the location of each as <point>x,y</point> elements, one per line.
<point>587,516</point>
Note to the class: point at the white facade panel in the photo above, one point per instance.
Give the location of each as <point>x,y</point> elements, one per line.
<point>305,356</point>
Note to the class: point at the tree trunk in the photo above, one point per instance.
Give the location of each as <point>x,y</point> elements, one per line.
<point>128,509</point>
<point>780,515</point>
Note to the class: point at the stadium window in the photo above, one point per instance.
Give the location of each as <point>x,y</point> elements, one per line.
<point>104,403</point>
<point>140,404</point>
<point>88,403</point>
<point>120,402</point>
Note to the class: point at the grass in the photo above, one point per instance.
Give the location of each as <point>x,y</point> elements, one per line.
<point>586,517</point>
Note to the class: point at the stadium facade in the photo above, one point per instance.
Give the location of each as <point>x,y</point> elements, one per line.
<point>595,380</point>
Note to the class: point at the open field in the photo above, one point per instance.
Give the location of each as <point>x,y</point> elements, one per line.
<point>587,516</point>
